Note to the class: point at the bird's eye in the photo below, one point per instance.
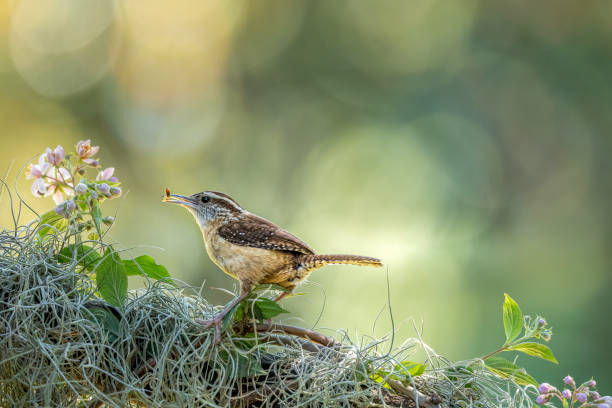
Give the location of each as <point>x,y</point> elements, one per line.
<point>205,199</point>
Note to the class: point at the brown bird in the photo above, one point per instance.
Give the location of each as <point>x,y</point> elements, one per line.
<point>252,249</point>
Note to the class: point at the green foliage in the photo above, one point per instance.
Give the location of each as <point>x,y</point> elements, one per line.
<point>96,214</point>
<point>146,265</point>
<point>506,369</point>
<point>266,309</point>
<point>242,364</point>
<point>270,286</point>
<point>515,324</point>
<point>108,320</point>
<point>256,307</point>
<point>403,371</point>
<point>111,278</point>
<point>536,350</point>
<point>51,222</point>
<point>410,367</point>
<point>86,256</point>
<point>513,319</point>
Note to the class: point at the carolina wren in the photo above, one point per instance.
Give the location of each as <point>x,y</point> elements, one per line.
<point>252,249</point>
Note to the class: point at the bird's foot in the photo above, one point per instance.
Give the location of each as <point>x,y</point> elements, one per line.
<point>215,321</point>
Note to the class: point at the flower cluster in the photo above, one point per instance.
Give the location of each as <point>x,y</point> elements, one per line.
<point>583,396</point>
<point>56,174</point>
<point>537,328</point>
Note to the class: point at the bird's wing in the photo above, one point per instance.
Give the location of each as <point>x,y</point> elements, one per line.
<point>257,232</point>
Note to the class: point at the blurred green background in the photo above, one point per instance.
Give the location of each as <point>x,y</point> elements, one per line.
<point>465,143</point>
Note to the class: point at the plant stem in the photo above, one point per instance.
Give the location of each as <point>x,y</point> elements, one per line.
<point>506,346</point>
<point>494,353</point>
<point>94,222</point>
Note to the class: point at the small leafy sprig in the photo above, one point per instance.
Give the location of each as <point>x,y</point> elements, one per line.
<point>78,197</point>
<point>583,396</point>
<point>516,324</point>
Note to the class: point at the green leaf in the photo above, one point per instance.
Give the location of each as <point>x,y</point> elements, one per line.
<point>111,278</point>
<point>227,319</point>
<point>535,349</point>
<point>50,222</point>
<point>513,319</point>
<point>145,264</point>
<point>270,286</point>
<point>248,367</point>
<point>244,365</point>
<point>96,213</point>
<point>267,309</point>
<point>414,369</point>
<point>85,255</point>
<point>379,377</point>
<point>505,369</point>
<point>108,320</point>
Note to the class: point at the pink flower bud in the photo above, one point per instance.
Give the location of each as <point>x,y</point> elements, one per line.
<point>60,210</point>
<point>569,380</point>
<point>542,399</point>
<point>581,397</point>
<point>591,383</point>
<point>541,322</point>
<point>70,206</point>
<point>113,179</point>
<point>103,188</point>
<point>595,395</point>
<point>545,387</point>
<point>567,393</point>
<point>95,163</point>
<point>116,191</point>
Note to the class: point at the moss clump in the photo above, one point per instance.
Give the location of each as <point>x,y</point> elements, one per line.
<point>60,346</point>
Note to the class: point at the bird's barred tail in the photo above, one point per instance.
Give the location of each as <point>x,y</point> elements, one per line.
<point>317,261</point>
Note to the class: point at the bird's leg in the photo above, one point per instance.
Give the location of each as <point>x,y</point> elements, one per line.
<point>218,319</point>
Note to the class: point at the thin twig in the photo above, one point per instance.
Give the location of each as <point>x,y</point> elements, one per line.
<point>295,331</point>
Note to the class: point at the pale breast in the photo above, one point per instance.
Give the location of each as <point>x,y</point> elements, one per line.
<point>247,263</point>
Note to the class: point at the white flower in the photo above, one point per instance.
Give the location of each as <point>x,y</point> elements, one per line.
<point>56,156</point>
<point>39,187</point>
<point>58,193</point>
<point>58,177</point>
<point>37,172</point>
<point>85,150</point>
<point>105,174</point>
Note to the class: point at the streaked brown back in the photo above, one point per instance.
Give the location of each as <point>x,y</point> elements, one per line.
<point>254,231</point>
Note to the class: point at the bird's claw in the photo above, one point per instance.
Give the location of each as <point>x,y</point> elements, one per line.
<point>216,321</point>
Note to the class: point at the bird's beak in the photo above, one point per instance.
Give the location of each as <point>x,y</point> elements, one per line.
<point>180,200</point>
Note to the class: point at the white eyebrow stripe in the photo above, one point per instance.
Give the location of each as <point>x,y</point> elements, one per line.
<point>227,200</point>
